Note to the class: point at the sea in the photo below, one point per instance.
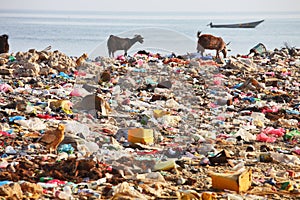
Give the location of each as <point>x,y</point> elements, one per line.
<point>78,32</point>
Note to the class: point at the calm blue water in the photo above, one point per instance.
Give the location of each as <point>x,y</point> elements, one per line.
<point>77,32</point>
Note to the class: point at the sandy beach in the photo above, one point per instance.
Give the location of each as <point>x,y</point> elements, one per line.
<point>150,126</point>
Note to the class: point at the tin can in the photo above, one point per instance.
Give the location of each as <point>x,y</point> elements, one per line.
<point>265,157</point>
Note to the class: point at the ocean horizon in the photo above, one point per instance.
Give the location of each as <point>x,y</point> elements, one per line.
<point>77,32</point>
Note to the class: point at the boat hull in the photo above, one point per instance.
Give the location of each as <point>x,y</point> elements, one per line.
<point>241,25</point>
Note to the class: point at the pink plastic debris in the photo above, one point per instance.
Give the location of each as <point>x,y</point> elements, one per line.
<point>140,62</point>
<point>75,93</point>
<point>217,82</point>
<point>80,73</point>
<point>58,182</point>
<point>270,110</point>
<point>3,133</point>
<point>270,73</point>
<point>5,88</point>
<point>271,131</point>
<point>262,137</point>
<point>297,151</point>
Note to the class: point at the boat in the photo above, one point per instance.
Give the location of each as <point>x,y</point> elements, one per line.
<point>241,25</point>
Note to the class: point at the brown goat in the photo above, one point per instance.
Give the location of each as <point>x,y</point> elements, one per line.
<point>207,41</point>
<point>4,46</point>
<point>115,43</point>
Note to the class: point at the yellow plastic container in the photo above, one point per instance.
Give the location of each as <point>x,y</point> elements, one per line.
<point>239,182</point>
<point>140,135</point>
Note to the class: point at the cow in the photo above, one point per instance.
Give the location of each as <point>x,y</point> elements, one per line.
<point>4,46</point>
<point>207,41</point>
<point>115,43</point>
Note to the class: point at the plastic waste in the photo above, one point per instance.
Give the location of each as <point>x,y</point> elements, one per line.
<point>62,156</point>
<point>64,75</point>
<point>76,128</point>
<point>3,164</point>
<point>66,148</point>
<point>265,157</point>
<point>291,135</point>
<point>285,158</point>
<point>5,88</point>
<point>12,119</point>
<point>259,119</point>
<point>34,123</point>
<point>296,150</point>
<point>10,150</point>
<point>92,146</point>
<point>47,185</point>
<point>262,137</point>
<point>75,93</point>
<point>258,49</point>
<point>276,132</point>
<point>4,183</point>
<point>89,192</point>
<point>11,58</point>
<point>57,182</point>
<point>67,189</point>
<point>165,165</point>
<point>234,197</point>
<point>61,195</point>
<point>5,134</point>
<point>45,179</point>
<point>245,135</point>
<point>140,135</point>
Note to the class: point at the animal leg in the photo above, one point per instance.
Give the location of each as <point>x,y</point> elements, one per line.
<point>202,52</point>
<point>224,51</point>
<point>200,49</point>
<point>217,54</point>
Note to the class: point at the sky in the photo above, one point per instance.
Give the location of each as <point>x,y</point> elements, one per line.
<point>155,5</point>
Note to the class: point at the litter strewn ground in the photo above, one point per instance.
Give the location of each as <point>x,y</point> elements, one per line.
<point>150,126</point>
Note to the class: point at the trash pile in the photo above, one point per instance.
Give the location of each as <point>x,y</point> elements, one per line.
<point>149,126</point>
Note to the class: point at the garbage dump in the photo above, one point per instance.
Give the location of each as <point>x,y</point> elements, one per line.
<point>150,126</point>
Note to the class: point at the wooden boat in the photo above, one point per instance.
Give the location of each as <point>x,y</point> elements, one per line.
<point>241,25</point>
